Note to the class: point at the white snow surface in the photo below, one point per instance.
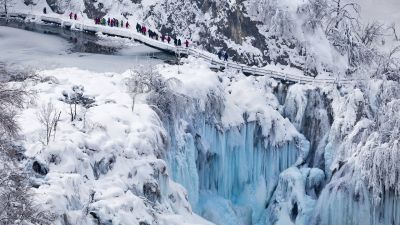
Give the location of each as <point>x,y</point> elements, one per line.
<point>106,133</point>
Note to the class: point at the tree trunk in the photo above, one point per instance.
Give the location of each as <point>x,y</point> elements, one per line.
<point>75,112</point>
<point>72,113</point>
<point>337,14</point>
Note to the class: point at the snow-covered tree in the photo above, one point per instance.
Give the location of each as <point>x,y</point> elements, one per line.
<point>6,4</point>
<point>49,117</point>
<point>16,206</point>
<point>139,82</point>
<point>75,98</point>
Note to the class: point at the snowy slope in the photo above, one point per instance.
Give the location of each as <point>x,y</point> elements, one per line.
<point>102,167</point>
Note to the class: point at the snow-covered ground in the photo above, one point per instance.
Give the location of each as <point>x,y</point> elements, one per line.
<point>103,164</point>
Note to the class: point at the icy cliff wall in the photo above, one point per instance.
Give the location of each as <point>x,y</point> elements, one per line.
<point>353,146</point>
<point>228,142</point>
<point>307,153</point>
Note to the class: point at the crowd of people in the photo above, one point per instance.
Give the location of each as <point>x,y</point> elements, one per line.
<point>112,22</point>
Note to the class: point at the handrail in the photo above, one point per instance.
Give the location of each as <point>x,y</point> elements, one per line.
<point>186,51</point>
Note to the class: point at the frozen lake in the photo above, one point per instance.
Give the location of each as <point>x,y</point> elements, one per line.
<point>48,47</point>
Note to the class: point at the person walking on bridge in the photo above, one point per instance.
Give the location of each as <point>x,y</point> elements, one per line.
<point>187,43</point>
<point>226,56</point>
<point>127,25</point>
<point>44,10</point>
<point>169,39</point>
<point>162,38</point>
<point>144,30</point>
<point>70,16</point>
<point>220,54</point>
<point>76,16</point>
<point>179,42</point>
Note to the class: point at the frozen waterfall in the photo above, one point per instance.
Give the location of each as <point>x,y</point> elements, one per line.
<point>237,164</point>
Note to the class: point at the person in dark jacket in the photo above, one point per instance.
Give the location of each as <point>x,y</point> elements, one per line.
<point>175,41</point>
<point>127,24</point>
<point>187,43</point>
<point>169,39</point>
<point>162,38</point>
<point>179,42</point>
<point>44,10</point>
<point>220,54</point>
<point>226,56</point>
<point>76,16</point>
<point>70,16</point>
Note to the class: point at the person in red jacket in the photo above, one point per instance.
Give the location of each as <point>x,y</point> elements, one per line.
<point>187,43</point>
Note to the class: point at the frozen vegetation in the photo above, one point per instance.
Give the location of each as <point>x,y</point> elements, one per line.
<point>128,139</point>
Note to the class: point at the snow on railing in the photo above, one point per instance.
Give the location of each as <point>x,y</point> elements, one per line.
<point>128,33</point>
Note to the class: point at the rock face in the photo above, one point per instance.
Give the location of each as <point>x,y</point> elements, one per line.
<point>58,6</point>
